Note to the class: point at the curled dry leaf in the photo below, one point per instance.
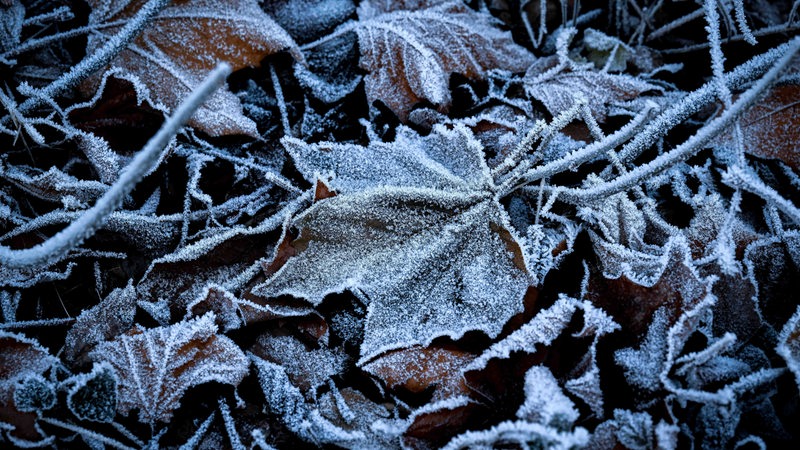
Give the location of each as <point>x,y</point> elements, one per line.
<point>185,41</point>
<point>410,54</point>
<point>156,366</point>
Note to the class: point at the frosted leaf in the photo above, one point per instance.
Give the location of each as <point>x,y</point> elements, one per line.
<point>156,366</point>
<point>184,42</point>
<point>374,420</point>
<point>305,20</point>
<point>106,320</point>
<point>286,401</point>
<point>558,90</point>
<point>418,369</point>
<point>543,329</point>
<point>643,367</point>
<point>545,403</point>
<point>221,302</point>
<point>20,356</point>
<point>520,433</point>
<point>307,368</point>
<point>435,259</point>
<point>607,52</point>
<point>93,396</point>
<point>12,14</point>
<point>789,345</point>
<point>34,393</point>
<point>634,429</point>
<point>54,184</point>
<point>410,54</point>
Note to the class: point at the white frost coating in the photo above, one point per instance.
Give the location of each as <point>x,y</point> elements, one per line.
<point>85,226</point>
<point>524,434</point>
<point>694,101</point>
<point>692,145</point>
<point>746,178</point>
<point>285,400</point>
<point>428,201</point>
<point>545,327</point>
<point>97,60</point>
<point>545,403</point>
<point>156,366</point>
<point>431,42</point>
<point>789,345</point>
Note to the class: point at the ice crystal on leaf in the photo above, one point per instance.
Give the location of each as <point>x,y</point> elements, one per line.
<point>155,366</point>
<point>187,40</point>
<point>789,345</point>
<point>416,227</point>
<point>411,48</point>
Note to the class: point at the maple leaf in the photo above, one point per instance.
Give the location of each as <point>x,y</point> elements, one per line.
<point>410,54</point>
<point>439,258</point>
<point>156,366</point>
<point>184,42</point>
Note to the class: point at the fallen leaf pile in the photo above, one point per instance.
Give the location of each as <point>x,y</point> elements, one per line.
<point>410,224</point>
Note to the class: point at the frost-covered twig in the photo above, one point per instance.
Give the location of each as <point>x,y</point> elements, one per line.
<point>737,177</point>
<point>693,102</point>
<point>88,434</point>
<point>692,145</point>
<point>142,163</point>
<point>97,60</point>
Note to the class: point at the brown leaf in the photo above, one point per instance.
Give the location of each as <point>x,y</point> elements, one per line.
<point>417,369</point>
<point>436,423</point>
<point>156,366</point>
<point>20,356</point>
<point>410,54</point>
<point>771,129</point>
<point>184,42</point>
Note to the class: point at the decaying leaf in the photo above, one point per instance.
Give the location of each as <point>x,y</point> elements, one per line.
<point>770,129</point>
<point>411,48</point>
<point>417,369</point>
<point>156,366</point>
<point>187,40</point>
<point>106,320</point>
<point>435,253</point>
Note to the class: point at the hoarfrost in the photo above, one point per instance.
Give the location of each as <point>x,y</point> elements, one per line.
<point>155,366</point>
<point>545,403</point>
<point>468,272</point>
<point>93,396</point>
<point>430,43</point>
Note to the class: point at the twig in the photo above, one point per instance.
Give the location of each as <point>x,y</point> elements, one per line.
<point>97,60</point>
<point>86,433</point>
<point>85,226</point>
<point>691,145</point>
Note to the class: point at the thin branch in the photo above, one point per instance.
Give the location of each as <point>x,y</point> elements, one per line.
<point>692,145</point>
<point>97,60</point>
<point>745,179</point>
<point>85,226</point>
<point>86,433</point>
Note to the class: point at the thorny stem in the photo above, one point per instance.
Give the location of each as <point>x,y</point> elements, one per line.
<point>97,60</point>
<point>691,146</point>
<point>85,226</point>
